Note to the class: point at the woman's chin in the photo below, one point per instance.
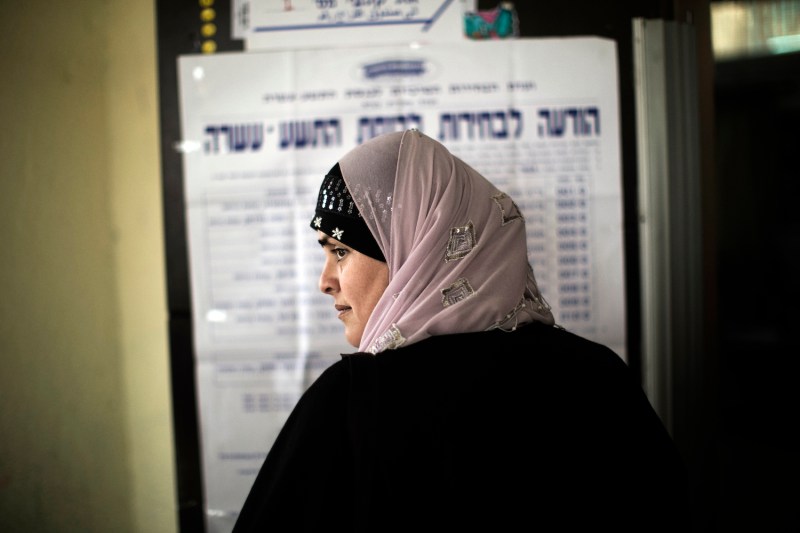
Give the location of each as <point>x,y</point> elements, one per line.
<point>353,339</point>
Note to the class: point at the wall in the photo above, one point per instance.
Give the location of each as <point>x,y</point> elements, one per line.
<point>85,425</point>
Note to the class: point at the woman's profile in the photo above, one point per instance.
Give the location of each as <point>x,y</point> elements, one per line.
<point>463,404</point>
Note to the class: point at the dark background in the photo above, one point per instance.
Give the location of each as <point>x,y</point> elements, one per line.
<point>736,431</point>
<point>756,154</point>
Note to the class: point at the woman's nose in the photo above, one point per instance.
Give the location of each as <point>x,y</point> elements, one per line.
<point>327,280</point>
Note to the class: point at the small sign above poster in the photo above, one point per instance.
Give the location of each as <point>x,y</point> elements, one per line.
<point>304,24</point>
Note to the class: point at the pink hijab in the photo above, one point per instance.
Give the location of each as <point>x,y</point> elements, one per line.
<point>455,245</point>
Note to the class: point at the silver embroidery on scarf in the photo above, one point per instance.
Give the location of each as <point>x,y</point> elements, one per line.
<point>458,291</point>
<point>511,320</point>
<point>532,303</point>
<point>508,209</point>
<point>376,204</point>
<point>461,243</point>
<point>389,340</point>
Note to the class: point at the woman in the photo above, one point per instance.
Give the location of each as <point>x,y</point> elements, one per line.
<point>465,405</point>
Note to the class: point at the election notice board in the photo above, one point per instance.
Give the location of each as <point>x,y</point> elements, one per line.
<point>538,117</point>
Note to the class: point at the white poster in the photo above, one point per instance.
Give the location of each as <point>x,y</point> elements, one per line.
<point>538,117</point>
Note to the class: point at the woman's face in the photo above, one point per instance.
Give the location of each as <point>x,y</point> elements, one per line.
<point>356,282</point>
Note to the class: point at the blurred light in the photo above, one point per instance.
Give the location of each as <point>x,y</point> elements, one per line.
<point>207,15</point>
<point>186,147</point>
<point>208,47</point>
<point>216,315</point>
<point>754,28</point>
<point>208,29</point>
<point>784,44</point>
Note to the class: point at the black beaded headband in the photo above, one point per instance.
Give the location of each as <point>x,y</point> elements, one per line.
<point>337,215</point>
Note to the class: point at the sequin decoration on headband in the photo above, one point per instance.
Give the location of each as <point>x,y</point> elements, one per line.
<point>337,215</point>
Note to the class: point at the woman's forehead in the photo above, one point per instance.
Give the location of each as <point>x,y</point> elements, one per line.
<point>326,240</point>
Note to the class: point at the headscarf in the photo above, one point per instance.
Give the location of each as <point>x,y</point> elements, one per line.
<point>455,245</point>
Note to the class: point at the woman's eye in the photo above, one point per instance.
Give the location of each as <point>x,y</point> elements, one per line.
<point>339,253</point>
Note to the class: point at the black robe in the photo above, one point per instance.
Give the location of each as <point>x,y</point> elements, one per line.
<point>527,430</point>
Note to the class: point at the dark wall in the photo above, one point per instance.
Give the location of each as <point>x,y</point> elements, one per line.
<point>178,24</point>
<point>757,117</point>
